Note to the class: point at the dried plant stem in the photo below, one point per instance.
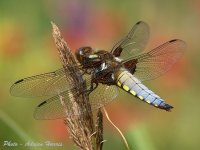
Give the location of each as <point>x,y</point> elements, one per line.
<point>81,127</point>
<point>99,130</point>
<point>121,134</point>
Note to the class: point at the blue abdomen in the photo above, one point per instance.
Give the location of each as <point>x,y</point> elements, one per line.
<point>132,85</point>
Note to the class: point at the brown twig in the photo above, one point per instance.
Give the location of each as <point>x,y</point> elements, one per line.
<point>99,130</point>
<point>81,127</point>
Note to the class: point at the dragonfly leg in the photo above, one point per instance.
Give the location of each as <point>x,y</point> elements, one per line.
<point>93,86</point>
<point>84,72</point>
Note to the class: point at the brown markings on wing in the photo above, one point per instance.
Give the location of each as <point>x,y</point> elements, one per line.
<point>117,51</point>
<point>131,65</point>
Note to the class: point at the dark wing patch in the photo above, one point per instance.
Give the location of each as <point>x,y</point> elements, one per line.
<point>118,51</point>
<point>19,81</point>
<point>42,103</point>
<point>158,61</point>
<point>133,43</point>
<point>130,65</point>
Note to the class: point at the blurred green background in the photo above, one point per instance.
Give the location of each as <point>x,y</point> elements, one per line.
<point>27,48</point>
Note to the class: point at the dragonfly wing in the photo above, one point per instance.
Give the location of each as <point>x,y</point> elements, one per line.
<point>158,61</point>
<point>133,43</point>
<point>53,109</point>
<point>102,95</point>
<point>42,85</point>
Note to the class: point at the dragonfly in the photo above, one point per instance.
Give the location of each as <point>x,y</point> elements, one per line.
<point>124,68</point>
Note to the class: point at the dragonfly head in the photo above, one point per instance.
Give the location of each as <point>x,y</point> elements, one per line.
<point>82,52</point>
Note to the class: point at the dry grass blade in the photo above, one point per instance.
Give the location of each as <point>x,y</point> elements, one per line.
<point>99,130</point>
<point>80,127</point>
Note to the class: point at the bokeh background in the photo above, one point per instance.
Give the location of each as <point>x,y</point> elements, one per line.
<point>27,48</point>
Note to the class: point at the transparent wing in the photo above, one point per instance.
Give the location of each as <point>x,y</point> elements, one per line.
<point>133,43</point>
<point>53,109</point>
<point>158,61</point>
<point>103,95</point>
<point>47,84</point>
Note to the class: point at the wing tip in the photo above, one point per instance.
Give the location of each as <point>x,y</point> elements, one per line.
<point>139,22</point>
<point>177,40</point>
<point>12,87</point>
<point>171,41</point>
<point>44,102</point>
<point>182,44</point>
<point>19,81</point>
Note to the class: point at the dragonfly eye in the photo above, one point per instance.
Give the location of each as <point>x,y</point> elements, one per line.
<point>82,52</point>
<point>87,50</point>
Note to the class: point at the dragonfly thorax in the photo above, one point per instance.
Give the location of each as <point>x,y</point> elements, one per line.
<point>91,59</point>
